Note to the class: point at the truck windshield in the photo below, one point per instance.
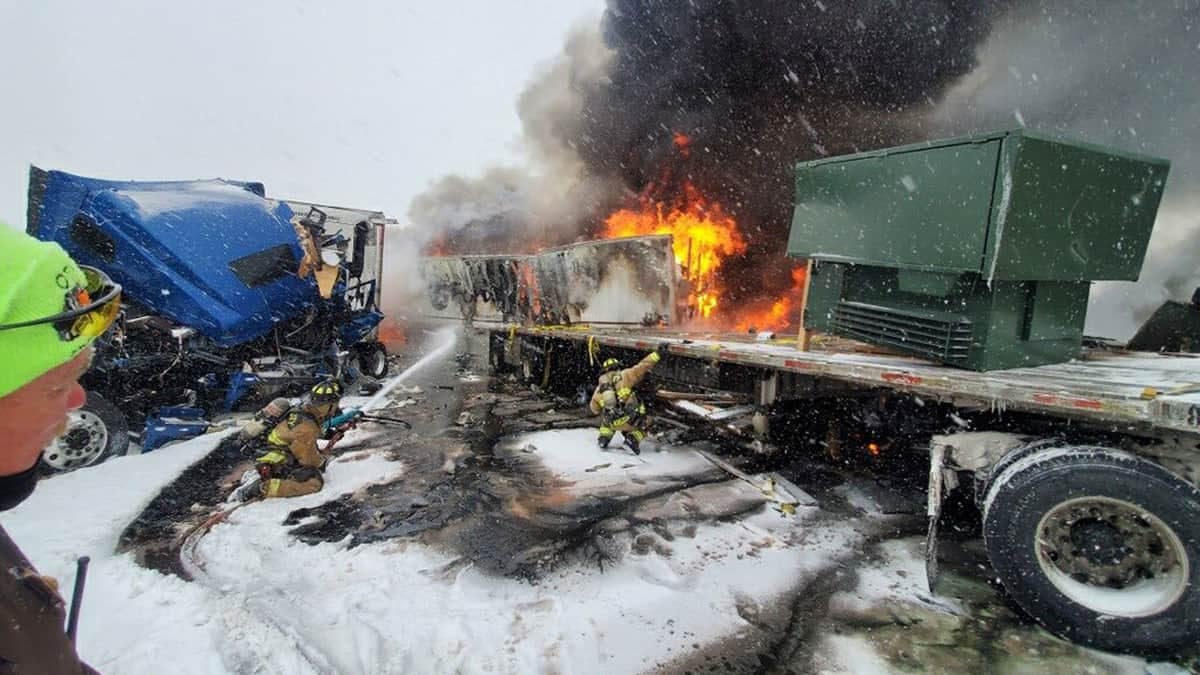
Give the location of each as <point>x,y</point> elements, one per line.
<point>259,269</point>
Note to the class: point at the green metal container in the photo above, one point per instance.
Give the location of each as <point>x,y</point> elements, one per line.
<point>975,251</point>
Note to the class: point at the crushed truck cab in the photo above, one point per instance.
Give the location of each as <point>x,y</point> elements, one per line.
<point>214,255</point>
<point>218,309</point>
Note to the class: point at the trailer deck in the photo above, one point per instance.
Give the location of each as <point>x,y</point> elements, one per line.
<point>1129,388</point>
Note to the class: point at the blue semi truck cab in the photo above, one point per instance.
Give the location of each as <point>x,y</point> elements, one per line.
<point>221,309</point>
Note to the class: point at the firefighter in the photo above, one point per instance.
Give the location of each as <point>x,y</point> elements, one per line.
<point>617,403</point>
<point>291,463</point>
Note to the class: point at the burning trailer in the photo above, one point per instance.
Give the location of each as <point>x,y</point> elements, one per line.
<point>949,281</point>
<point>613,282</point>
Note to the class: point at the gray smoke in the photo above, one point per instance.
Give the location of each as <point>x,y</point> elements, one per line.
<point>1116,73</point>
<point>545,199</point>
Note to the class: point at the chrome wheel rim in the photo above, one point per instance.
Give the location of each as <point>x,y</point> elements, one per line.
<point>1111,556</point>
<point>82,444</point>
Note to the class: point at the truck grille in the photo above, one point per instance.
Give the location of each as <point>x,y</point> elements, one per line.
<point>937,335</point>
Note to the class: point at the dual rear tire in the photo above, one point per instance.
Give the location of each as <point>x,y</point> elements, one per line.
<point>1099,546</point>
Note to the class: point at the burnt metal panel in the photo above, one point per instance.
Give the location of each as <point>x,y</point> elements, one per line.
<point>614,281</point>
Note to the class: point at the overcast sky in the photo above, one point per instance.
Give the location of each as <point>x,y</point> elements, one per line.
<point>352,103</point>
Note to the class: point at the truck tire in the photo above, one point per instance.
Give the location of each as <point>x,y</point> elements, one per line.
<point>94,433</point>
<point>372,359</point>
<point>1012,457</point>
<point>1099,546</point>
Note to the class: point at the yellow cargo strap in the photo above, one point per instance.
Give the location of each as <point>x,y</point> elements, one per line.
<point>546,369</point>
<point>593,350</point>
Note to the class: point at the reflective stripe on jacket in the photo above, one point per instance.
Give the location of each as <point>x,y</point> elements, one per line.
<point>294,439</point>
<point>620,384</point>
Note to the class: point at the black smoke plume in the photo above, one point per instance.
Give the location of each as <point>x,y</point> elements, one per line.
<point>759,86</point>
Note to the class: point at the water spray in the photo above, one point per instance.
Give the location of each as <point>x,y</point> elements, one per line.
<point>447,338</point>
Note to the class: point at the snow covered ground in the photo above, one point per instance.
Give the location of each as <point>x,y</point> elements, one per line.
<point>264,602</point>
<point>135,620</point>
<point>269,603</point>
<point>890,623</point>
<point>404,607</point>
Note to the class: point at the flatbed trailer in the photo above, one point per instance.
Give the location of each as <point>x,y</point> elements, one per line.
<point>1154,392</point>
<point>1086,473</point>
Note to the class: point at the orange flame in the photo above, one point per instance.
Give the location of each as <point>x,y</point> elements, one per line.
<point>779,314</point>
<point>393,335</point>
<point>438,246</point>
<point>683,143</point>
<point>703,235</point>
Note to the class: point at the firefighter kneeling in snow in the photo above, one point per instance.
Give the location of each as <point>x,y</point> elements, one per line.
<point>617,403</point>
<point>291,463</point>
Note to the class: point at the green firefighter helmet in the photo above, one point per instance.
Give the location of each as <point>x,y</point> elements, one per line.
<point>610,365</point>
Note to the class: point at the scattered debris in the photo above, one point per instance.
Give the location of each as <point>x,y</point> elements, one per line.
<point>773,486</point>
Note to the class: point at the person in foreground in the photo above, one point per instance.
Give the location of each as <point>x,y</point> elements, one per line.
<point>617,403</point>
<point>51,309</point>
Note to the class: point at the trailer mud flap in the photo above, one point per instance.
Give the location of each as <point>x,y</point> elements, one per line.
<point>937,460</point>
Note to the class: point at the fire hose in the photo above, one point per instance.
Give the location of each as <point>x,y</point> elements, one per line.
<point>337,426</point>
